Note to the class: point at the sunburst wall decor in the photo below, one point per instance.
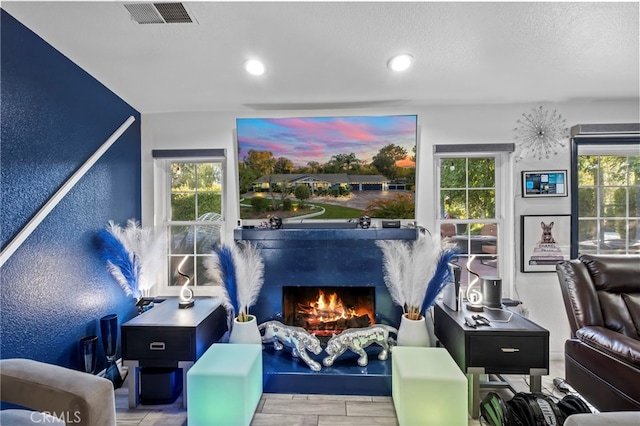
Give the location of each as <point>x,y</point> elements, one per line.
<point>540,134</point>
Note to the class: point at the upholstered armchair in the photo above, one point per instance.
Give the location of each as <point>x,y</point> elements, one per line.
<point>72,396</point>
<point>602,358</point>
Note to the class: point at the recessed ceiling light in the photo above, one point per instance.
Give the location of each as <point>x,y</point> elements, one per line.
<point>254,66</point>
<point>400,62</point>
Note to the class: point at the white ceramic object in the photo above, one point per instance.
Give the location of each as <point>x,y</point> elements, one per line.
<point>413,332</point>
<point>245,332</point>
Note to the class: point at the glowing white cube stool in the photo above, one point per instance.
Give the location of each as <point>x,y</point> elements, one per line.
<point>427,387</point>
<point>225,385</point>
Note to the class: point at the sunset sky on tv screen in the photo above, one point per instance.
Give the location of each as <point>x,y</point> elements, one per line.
<point>302,140</point>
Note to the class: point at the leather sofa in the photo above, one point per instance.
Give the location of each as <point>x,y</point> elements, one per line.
<point>602,358</point>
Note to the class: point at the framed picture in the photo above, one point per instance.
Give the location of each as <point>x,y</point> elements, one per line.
<point>544,183</point>
<point>545,240</point>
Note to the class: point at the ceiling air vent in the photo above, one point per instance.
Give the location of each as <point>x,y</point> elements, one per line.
<point>159,13</point>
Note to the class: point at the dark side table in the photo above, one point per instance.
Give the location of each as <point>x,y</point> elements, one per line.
<point>168,337</point>
<point>518,346</point>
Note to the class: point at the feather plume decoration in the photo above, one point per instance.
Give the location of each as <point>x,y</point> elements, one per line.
<point>149,248</point>
<point>424,254</point>
<point>439,279</point>
<point>240,268</point>
<point>250,274</point>
<point>121,263</point>
<point>134,255</point>
<point>408,270</point>
<point>129,234</point>
<point>227,269</point>
<point>393,253</point>
<point>212,268</point>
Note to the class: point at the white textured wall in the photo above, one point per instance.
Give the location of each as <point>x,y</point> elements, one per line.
<point>539,292</point>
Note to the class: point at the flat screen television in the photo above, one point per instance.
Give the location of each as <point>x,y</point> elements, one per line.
<point>327,168</point>
<point>544,183</point>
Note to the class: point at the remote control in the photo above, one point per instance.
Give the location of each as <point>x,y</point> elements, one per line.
<point>468,320</point>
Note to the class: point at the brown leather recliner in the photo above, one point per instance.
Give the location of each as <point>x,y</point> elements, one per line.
<point>602,359</point>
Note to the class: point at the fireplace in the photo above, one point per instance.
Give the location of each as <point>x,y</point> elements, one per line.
<point>325,311</point>
<point>330,260</point>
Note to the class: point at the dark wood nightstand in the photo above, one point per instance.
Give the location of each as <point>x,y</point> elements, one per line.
<point>518,346</point>
<point>169,337</point>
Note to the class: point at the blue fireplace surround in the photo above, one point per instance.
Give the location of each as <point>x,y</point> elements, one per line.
<point>324,257</point>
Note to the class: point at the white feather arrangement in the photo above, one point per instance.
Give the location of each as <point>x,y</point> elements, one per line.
<point>151,249</point>
<point>134,255</point>
<point>250,275</point>
<point>394,255</point>
<point>212,269</point>
<point>240,268</point>
<point>221,268</point>
<point>409,269</point>
<point>424,259</point>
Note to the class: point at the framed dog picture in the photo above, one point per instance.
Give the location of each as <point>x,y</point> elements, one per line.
<point>545,241</point>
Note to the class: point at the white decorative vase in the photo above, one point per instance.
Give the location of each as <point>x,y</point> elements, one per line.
<point>413,332</point>
<point>245,332</point>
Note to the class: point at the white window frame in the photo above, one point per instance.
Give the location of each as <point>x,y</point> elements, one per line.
<point>162,209</point>
<point>598,149</point>
<point>503,210</point>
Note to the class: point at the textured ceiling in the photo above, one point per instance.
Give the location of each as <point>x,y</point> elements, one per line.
<point>333,55</point>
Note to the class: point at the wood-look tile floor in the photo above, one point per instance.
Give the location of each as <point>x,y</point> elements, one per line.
<point>306,410</point>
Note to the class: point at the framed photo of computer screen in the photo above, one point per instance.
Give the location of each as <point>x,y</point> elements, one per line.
<point>544,183</point>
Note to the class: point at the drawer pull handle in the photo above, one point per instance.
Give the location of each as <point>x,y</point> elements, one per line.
<point>156,346</point>
<point>510,350</point>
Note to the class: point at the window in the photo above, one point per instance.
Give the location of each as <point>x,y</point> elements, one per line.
<point>191,209</point>
<point>469,213</point>
<point>606,196</point>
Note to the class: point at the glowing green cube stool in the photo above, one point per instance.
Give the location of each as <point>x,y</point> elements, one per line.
<point>225,385</point>
<point>427,387</point>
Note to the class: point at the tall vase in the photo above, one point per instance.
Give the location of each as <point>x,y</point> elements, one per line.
<point>109,330</point>
<point>245,332</point>
<point>88,346</point>
<point>413,332</point>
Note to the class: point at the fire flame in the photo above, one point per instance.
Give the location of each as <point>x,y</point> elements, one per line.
<point>328,308</point>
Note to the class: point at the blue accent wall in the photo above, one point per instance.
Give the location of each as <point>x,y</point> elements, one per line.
<point>54,289</point>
